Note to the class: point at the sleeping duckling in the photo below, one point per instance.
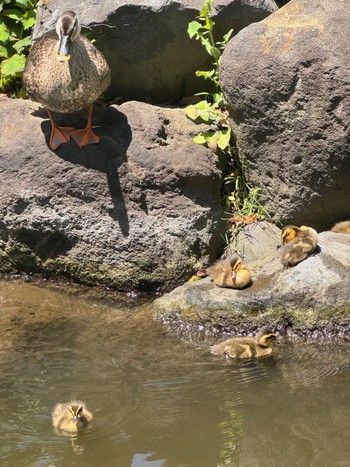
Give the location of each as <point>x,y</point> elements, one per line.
<point>71,416</point>
<point>341,227</point>
<point>298,244</point>
<point>230,273</point>
<point>246,347</point>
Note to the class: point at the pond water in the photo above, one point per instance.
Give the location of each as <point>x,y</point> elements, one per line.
<point>158,400</point>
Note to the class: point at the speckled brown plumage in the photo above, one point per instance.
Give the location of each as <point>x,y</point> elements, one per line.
<point>65,86</point>
<point>66,73</point>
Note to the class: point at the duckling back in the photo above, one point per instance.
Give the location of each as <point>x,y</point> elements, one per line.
<point>245,347</point>
<point>341,227</point>
<point>221,273</point>
<point>300,242</point>
<point>235,348</point>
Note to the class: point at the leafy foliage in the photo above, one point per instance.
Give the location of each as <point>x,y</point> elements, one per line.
<point>211,109</point>
<point>243,202</point>
<point>16,20</point>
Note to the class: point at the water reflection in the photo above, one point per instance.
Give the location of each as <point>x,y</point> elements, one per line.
<point>158,400</point>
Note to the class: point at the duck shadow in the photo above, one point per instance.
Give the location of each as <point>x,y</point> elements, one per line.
<point>106,156</point>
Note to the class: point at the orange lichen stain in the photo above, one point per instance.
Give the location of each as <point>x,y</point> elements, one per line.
<point>283,26</point>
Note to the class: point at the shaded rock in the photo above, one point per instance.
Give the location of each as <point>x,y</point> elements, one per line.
<point>314,295</point>
<point>146,43</point>
<point>138,210</point>
<point>286,80</point>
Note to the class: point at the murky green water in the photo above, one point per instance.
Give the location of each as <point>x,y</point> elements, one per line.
<point>157,400</point>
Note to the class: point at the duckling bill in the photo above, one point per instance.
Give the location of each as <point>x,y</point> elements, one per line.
<point>66,73</point>
<point>298,244</point>
<point>231,273</point>
<point>246,347</point>
<point>71,416</point>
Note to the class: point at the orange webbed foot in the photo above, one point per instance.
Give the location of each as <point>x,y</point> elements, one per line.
<point>60,135</point>
<point>84,137</point>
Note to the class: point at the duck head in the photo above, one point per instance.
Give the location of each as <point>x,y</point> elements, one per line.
<point>76,411</point>
<point>68,30</point>
<point>236,263</point>
<point>266,337</point>
<point>289,232</point>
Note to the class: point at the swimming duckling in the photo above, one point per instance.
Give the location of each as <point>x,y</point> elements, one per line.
<point>65,72</point>
<point>230,273</point>
<point>298,244</point>
<point>341,227</point>
<point>246,347</point>
<point>71,416</point>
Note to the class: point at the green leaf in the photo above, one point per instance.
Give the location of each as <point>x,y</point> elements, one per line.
<point>13,14</point>
<point>4,32</point>
<point>16,31</point>
<point>224,136</point>
<point>13,65</point>
<point>193,28</point>
<point>22,44</point>
<point>28,19</point>
<point>24,4</point>
<point>199,139</point>
<point>227,36</point>
<point>3,51</point>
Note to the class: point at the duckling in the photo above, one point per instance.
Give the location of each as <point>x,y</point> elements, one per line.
<point>66,73</point>
<point>246,347</point>
<point>230,273</point>
<point>71,416</point>
<point>298,244</point>
<point>341,227</point>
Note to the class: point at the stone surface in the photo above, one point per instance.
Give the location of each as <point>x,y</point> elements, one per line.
<point>139,210</point>
<point>146,42</point>
<point>287,82</point>
<point>314,295</point>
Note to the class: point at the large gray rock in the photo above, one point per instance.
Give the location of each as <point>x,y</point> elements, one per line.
<point>286,80</point>
<point>313,295</point>
<point>146,43</point>
<point>138,210</point>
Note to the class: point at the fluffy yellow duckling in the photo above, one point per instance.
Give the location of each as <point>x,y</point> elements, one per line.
<point>246,347</point>
<point>298,244</point>
<point>341,227</point>
<point>71,416</point>
<point>230,273</point>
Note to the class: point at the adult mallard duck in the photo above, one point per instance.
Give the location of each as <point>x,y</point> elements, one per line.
<point>246,347</point>
<point>66,73</point>
<point>298,244</point>
<point>71,416</point>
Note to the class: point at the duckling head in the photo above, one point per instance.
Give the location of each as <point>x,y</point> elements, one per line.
<point>68,30</point>
<point>266,337</point>
<point>235,262</point>
<point>289,232</point>
<point>76,410</point>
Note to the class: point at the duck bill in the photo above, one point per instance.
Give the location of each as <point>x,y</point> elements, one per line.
<point>234,274</point>
<point>75,419</point>
<point>63,53</point>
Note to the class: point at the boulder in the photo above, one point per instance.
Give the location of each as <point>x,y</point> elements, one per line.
<point>286,80</point>
<point>311,297</point>
<point>146,43</point>
<point>139,210</point>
